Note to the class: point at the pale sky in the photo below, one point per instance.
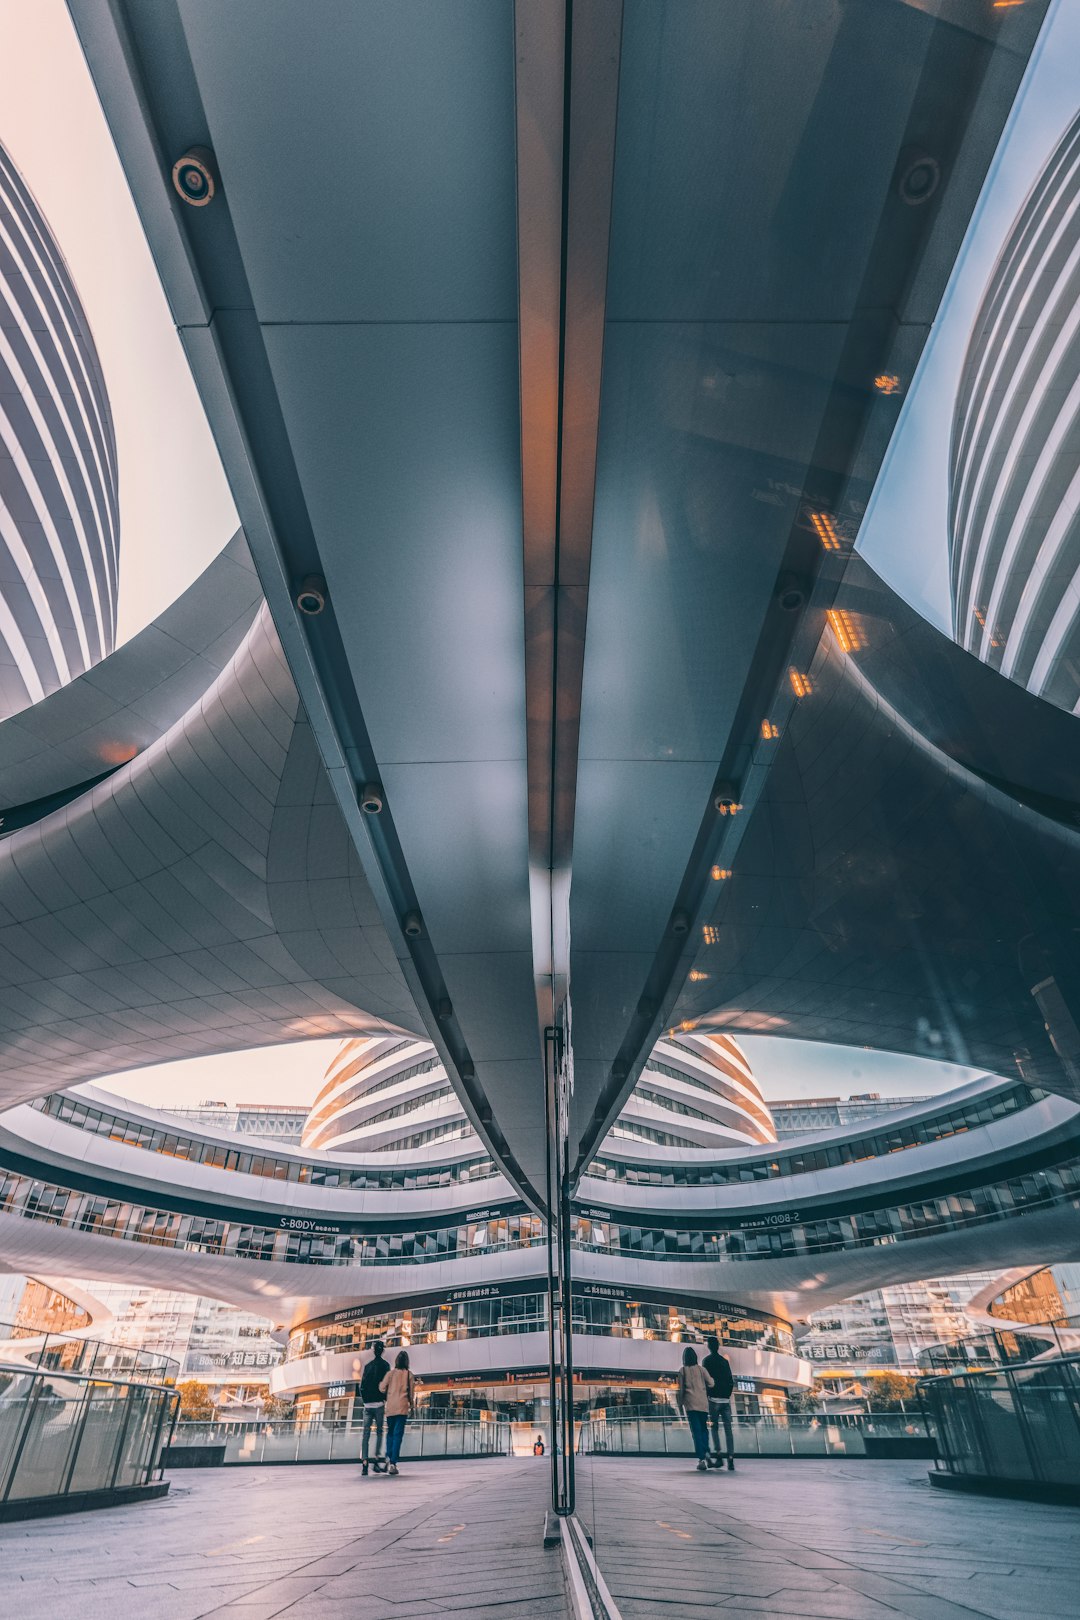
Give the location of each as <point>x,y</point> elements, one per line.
<point>293,1074</point>
<point>172,526</point>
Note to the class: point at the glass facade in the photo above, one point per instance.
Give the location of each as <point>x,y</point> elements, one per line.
<point>118,1127</point>
<point>1043,1188</point>
<point>448,1322</point>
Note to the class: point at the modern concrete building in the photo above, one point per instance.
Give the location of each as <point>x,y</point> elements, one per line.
<point>1015,470</point>
<point>426,1244</point>
<point>59,512</point>
<point>387,1094</point>
<point>543,732</point>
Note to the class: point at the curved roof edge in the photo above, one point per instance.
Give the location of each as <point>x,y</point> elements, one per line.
<point>108,715</point>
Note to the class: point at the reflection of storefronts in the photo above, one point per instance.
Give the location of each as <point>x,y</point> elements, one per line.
<point>489,1342</point>
<point>886,1330</point>
<point>488,1309</point>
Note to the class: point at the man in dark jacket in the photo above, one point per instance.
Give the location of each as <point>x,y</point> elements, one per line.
<point>718,1369</point>
<point>373,1402</point>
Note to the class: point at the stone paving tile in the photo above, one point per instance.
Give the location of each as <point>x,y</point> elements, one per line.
<point>307,1542</point>
<point>807,1541</point>
<point>834,1540</point>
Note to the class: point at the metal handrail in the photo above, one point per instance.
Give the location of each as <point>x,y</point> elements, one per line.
<point>630,1432</point>
<point>333,1440</point>
<point>263,1251</point>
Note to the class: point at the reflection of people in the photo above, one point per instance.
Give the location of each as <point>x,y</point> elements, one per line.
<point>692,1396</point>
<point>374,1405</point>
<point>718,1368</point>
<point>399,1387</point>
<point>538,1446</point>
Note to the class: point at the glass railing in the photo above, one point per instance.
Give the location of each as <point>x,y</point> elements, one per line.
<point>25,1347</point>
<point>65,1435</point>
<point>762,1238</point>
<point>1012,1424</point>
<point>666,1434</point>
<point>329,1441</point>
<point>782,1161</point>
<point>129,1131</point>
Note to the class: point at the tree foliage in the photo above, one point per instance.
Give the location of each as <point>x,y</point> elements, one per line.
<point>275,1407</point>
<point>888,1391</point>
<point>196,1401</point>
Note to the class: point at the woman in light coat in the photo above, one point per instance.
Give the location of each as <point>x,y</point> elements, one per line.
<point>692,1396</point>
<point>399,1388</point>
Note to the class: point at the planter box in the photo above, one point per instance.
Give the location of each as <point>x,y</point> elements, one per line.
<point>206,1456</point>
<point>899,1445</point>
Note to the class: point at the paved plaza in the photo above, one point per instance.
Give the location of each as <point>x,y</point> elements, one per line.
<point>826,1541</point>
<point>315,1543</point>
<point>831,1540</point>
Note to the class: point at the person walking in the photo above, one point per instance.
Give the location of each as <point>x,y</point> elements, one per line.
<point>692,1397</point>
<point>718,1369</point>
<point>399,1388</point>
<point>373,1402</point>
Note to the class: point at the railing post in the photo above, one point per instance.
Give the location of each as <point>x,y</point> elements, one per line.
<point>118,1457</point>
<point>31,1407</point>
<point>69,1471</point>
<point>1024,1427</point>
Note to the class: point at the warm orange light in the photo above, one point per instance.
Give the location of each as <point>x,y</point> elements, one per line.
<point>1006,5</point>
<point>769,731</point>
<point>688,1024</point>
<point>710,934</point>
<point>847,629</point>
<point>887,382</point>
<point>825,529</point>
<point>980,618</point>
<point>719,873</point>
<point>801,685</point>
<point>728,809</point>
<point>696,976</point>
<point>117,753</point>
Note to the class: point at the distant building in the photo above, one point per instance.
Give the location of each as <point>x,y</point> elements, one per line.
<point>278,1122</point>
<point>215,1344</point>
<point>800,1116</point>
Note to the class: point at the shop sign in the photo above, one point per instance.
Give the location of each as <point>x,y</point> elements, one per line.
<point>302,1223</point>
<point>842,1352</point>
<point>458,1296</point>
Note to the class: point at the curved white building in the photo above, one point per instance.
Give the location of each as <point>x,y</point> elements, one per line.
<point>388,1093</point>
<point>59,513</point>
<point>1015,464</point>
<point>431,1246</point>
